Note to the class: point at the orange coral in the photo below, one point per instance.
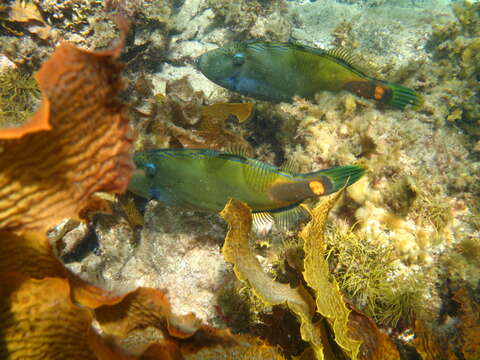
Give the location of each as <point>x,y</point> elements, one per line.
<point>50,175</point>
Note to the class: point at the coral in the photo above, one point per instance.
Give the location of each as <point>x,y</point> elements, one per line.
<point>19,96</point>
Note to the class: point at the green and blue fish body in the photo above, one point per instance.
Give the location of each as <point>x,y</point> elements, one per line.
<point>204,179</point>
<point>278,72</point>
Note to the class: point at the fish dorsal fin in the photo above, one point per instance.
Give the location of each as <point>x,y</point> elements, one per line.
<point>241,150</point>
<point>285,219</point>
<point>259,175</point>
<point>346,56</point>
<point>260,46</point>
<point>290,166</point>
<point>262,222</point>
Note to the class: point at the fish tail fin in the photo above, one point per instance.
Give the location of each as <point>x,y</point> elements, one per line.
<point>336,178</point>
<point>400,96</point>
<point>392,94</point>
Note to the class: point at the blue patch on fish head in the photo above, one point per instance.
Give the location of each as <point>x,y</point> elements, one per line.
<point>238,59</point>
<point>150,169</point>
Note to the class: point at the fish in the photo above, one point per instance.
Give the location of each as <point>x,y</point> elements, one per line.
<point>279,71</point>
<point>205,179</point>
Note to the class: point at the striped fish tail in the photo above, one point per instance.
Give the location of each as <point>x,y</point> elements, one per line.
<point>401,96</point>
<point>339,177</point>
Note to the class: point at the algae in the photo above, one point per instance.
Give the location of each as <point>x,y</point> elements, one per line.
<point>19,97</point>
<point>417,208</point>
<point>367,273</point>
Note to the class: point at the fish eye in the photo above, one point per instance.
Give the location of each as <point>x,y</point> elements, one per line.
<point>150,170</point>
<point>238,59</point>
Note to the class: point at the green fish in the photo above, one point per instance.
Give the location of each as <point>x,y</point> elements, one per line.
<point>204,179</point>
<point>278,72</point>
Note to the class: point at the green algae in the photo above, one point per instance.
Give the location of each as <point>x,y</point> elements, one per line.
<point>367,273</point>
<point>19,96</point>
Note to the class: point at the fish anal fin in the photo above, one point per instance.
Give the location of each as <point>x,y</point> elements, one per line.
<point>262,222</point>
<point>290,217</point>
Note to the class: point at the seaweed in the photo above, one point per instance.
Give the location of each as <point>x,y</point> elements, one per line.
<point>367,273</point>
<point>19,97</point>
<point>458,42</point>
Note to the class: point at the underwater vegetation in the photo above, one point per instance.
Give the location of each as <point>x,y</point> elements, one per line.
<point>392,273</point>
<point>19,97</point>
<point>38,295</point>
<point>456,47</point>
<point>361,268</point>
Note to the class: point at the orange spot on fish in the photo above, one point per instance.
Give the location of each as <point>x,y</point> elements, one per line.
<point>316,187</point>
<point>379,91</point>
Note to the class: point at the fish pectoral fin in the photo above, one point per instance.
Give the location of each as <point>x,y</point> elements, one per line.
<point>291,216</point>
<point>262,222</point>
